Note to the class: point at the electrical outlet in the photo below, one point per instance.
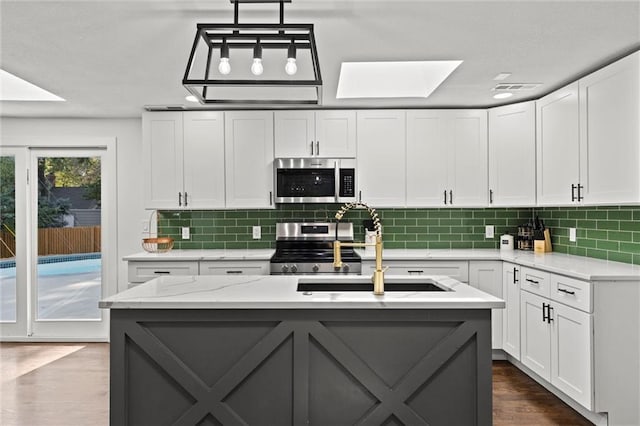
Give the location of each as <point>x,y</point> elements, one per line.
<point>257,232</point>
<point>489,231</point>
<point>572,235</point>
<point>185,233</point>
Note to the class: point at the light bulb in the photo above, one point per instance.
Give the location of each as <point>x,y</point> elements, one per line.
<point>256,67</point>
<point>224,67</point>
<point>291,68</point>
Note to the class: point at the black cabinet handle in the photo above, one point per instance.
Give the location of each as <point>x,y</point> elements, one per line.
<point>580,197</point>
<point>533,281</point>
<point>566,291</point>
<point>180,199</point>
<point>445,197</point>
<point>450,197</point>
<point>515,270</point>
<point>544,312</point>
<point>234,272</point>
<point>415,272</point>
<point>270,198</point>
<point>186,203</point>
<point>549,309</point>
<point>491,196</point>
<point>317,147</point>
<point>360,196</point>
<point>162,272</point>
<point>573,192</point>
<point>312,148</point>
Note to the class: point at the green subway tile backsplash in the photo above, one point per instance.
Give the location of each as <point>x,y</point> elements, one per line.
<point>611,233</point>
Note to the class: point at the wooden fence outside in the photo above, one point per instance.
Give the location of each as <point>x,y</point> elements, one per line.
<point>85,239</point>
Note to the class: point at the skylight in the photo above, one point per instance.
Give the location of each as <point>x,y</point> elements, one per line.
<point>14,88</point>
<point>406,79</point>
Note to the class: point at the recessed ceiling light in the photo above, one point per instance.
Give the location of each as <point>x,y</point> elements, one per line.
<point>407,79</point>
<point>191,98</point>
<point>503,95</point>
<point>502,76</point>
<point>14,88</point>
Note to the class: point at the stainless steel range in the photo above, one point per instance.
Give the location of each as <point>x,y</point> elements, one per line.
<point>307,248</point>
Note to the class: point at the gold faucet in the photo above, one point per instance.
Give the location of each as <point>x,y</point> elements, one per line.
<point>378,274</point>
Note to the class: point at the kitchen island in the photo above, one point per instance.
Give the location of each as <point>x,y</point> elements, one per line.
<point>255,350</point>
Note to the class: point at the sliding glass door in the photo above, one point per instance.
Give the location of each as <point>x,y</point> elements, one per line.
<point>51,243</point>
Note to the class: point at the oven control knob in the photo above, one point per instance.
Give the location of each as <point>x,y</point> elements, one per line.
<point>315,267</point>
<point>294,268</point>
<point>285,268</point>
<point>345,267</point>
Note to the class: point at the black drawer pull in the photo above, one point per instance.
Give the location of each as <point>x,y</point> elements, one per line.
<point>234,272</point>
<point>566,291</point>
<point>415,272</point>
<point>533,281</point>
<point>162,272</point>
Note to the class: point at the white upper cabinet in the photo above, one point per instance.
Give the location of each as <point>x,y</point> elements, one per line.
<point>610,133</point>
<point>183,157</point>
<point>249,159</point>
<point>446,158</point>
<point>381,157</point>
<point>558,147</point>
<point>325,133</point>
<point>512,155</point>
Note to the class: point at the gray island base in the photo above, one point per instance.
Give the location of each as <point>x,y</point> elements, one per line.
<point>297,366</point>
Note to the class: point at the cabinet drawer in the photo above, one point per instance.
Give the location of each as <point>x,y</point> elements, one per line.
<point>140,272</point>
<point>234,268</point>
<point>458,270</point>
<point>534,281</point>
<point>571,292</point>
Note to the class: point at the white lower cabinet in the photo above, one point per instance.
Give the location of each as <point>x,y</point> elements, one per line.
<point>214,267</point>
<point>487,276</point>
<point>511,313</point>
<point>458,270</point>
<point>141,271</point>
<point>556,344</point>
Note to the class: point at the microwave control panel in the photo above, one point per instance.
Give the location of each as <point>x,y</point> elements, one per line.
<point>347,183</point>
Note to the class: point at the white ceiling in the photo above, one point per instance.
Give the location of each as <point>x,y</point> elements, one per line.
<point>111,58</point>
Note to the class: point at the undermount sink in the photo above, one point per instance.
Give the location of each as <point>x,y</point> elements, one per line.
<point>338,286</point>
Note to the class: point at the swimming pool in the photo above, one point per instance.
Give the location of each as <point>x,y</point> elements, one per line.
<point>64,267</point>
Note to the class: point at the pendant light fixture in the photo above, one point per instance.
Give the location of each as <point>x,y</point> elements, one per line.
<point>297,82</point>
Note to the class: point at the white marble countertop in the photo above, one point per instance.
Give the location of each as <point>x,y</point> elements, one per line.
<point>181,255</point>
<point>581,267</point>
<point>280,292</point>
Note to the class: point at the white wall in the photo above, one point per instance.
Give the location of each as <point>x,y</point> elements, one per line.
<point>128,133</point>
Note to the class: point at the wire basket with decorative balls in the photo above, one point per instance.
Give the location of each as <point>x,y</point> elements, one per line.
<point>157,244</point>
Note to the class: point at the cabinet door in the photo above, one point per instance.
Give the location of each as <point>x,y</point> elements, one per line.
<point>487,276</point>
<point>557,131</point>
<point>249,159</point>
<point>610,133</point>
<point>468,178</point>
<point>203,159</point>
<point>336,134</point>
<point>512,155</point>
<point>294,134</point>
<point>427,149</point>
<point>381,157</point>
<point>162,141</point>
<point>535,335</point>
<point>511,313</point>
<point>571,355</point>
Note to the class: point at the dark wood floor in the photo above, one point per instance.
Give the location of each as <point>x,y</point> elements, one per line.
<point>67,384</point>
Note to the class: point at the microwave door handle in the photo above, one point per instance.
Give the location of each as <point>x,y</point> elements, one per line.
<point>336,168</point>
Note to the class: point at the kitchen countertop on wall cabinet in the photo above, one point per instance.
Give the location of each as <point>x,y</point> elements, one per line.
<point>230,254</point>
<point>585,268</point>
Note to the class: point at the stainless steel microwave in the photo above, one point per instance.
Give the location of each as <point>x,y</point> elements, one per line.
<point>315,180</point>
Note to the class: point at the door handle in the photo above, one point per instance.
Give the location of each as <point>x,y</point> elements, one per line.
<point>451,197</point>
<point>573,192</point>
<point>317,147</point>
<point>515,270</point>
<point>580,197</point>
<point>445,197</point>
<point>312,148</point>
<point>179,199</point>
<point>270,198</point>
<point>491,196</point>
<point>544,312</point>
<point>186,203</point>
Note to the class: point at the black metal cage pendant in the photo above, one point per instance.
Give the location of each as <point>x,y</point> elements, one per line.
<point>290,74</point>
